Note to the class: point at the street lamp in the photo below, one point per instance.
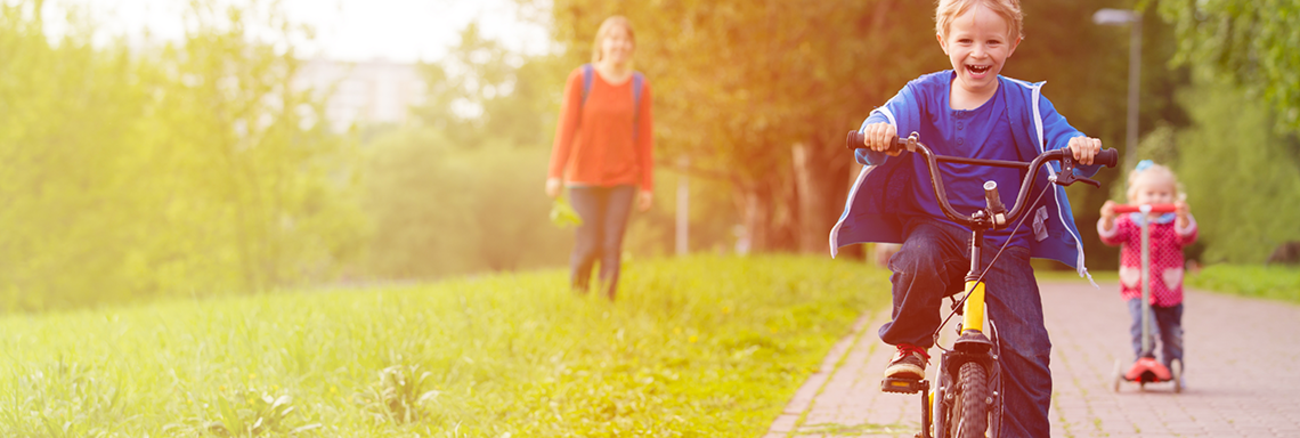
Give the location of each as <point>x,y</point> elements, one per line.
<point>1120,17</point>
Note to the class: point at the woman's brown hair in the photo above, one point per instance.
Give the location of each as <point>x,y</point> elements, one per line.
<point>606,27</point>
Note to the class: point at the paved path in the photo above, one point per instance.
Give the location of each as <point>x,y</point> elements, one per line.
<point>1242,358</point>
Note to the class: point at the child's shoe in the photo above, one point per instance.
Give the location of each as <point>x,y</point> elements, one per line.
<point>908,363</point>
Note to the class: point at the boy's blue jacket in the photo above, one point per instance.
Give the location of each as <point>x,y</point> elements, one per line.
<point>871,210</point>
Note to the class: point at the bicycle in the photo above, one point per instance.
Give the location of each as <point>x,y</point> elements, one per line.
<point>968,379</point>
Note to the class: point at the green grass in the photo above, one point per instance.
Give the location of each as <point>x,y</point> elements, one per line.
<point>1270,282</point>
<point>700,346</point>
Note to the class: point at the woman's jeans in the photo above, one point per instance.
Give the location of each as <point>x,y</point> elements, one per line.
<point>604,212</point>
<point>932,264</point>
<point>1167,323</point>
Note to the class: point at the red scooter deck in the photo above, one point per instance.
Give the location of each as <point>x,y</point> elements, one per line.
<point>1147,370</point>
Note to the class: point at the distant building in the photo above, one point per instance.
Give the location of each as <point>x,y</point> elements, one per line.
<point>373,92</point>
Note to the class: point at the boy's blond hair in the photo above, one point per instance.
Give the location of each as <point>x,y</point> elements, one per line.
<point>606,27</point>
<point>1147,169</point>
<point>948,10</point>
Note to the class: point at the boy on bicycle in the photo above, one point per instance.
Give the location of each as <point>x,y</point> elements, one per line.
<point>969,111</point>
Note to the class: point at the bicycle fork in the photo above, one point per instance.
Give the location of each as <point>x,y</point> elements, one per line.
<point>973,345</point>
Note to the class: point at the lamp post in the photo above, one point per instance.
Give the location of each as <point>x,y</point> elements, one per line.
<point>1120,17</point>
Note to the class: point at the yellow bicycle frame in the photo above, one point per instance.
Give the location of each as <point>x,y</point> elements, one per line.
<point>973,320</point>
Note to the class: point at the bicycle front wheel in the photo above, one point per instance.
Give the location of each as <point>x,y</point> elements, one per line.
<point>973,401</point>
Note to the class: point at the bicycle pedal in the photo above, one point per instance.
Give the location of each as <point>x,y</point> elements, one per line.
<point>902,386</point>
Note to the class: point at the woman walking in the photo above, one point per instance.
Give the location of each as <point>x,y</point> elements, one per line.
<point>603,152</point>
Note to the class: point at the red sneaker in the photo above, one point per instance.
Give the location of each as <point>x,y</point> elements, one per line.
<point>908,363</point>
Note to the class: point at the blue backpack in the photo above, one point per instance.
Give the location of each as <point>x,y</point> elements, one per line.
<point>637,80</point>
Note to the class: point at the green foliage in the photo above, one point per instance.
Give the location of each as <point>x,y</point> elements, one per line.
<point>399,395</point>
<point>438,208</point>
<point>1250,42</point>
<point>562,214</point>
<point>1274,283</point>
<point>699,346</point>
<point>66,399</point>
<point>459,189</point>
<point>1241,178</point>
<point>252,413</point>
<point>483,93</point>
<point>184,169</point>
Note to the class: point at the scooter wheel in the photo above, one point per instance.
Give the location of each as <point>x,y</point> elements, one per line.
<point>1176,372</point>
<point>1116,376</point>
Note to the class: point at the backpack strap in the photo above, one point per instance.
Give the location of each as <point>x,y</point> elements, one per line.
<point>638,82</point>
<point>587,72</point>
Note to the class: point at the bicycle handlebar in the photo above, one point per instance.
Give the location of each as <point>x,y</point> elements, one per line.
<point>1155,208</point>
<point>1108,157</point>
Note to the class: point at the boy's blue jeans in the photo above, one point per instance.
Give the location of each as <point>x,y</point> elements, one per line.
<point>933,263</point>
<point>1167,324</point>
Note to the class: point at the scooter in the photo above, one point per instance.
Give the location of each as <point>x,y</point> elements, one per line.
<point>1146,369</point>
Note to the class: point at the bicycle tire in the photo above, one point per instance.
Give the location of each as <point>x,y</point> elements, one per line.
<point>972,402</point>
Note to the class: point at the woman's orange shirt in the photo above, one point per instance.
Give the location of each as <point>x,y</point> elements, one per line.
<point>594,143</point>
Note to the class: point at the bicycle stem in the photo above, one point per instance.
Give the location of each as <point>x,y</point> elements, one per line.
<point>981,219</point>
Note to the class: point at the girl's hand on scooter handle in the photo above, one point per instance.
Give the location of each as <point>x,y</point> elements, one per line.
<point>1108,215</point>
<point>1181,210</point>
<point>1108,210</point>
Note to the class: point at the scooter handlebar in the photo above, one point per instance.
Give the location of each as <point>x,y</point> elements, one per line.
<point>1155,208</point>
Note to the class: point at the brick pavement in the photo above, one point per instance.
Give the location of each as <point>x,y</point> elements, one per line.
<point>1241,357</point>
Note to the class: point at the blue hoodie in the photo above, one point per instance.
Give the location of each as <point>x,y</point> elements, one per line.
<point>1036,127</point>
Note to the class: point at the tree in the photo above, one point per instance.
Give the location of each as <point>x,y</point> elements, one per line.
<point>1249,42</point>
<point>459,189</point>
<point>267,188</point>
<point>1242,178</point>
<point>484,91</point>
<point>1238,152</point>
<point>178,170</point>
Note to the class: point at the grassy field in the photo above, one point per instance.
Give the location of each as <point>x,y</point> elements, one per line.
<point>701,346</point>
<point>1270,282</point>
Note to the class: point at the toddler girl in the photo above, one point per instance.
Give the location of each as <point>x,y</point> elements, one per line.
<point>1152,184</point>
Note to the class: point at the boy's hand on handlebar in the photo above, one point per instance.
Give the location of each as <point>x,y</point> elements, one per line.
<point>881,137</point>
<point>1084,148</point>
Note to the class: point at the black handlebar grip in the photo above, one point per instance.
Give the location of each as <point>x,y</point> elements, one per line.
<point>854,140</point>
<point>1108,157</point>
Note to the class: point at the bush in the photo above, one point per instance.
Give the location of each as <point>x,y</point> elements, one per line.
<point>439,209</point>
